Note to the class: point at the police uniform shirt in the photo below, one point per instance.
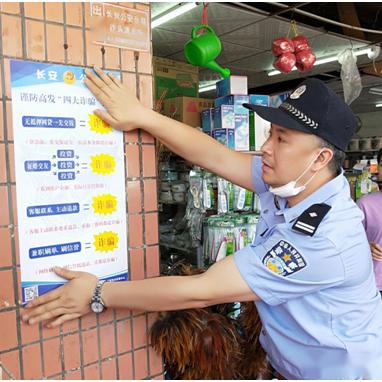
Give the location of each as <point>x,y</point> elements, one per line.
<point>320,308</point>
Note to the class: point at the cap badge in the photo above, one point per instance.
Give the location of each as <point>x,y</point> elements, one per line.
<point>298,92</point>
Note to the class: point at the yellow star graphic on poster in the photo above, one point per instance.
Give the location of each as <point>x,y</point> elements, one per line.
<point>286,257</point>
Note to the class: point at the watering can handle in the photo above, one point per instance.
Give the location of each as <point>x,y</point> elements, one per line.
<point>201,26</point>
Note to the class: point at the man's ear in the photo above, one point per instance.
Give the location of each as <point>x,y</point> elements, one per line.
<point>323,158</point>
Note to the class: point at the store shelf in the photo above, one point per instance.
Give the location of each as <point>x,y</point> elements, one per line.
<point>173,246</point>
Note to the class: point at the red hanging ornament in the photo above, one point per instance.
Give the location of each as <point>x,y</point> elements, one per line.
<point>291,52</point>
<point>282,45</point>
<point>285,62</point>
<point>305,60</point>
<point>300,43</point>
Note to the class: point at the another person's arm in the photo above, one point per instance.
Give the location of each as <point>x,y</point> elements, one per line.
<point>376,250</point>
<point>124,112</point>
<point>221,283</point>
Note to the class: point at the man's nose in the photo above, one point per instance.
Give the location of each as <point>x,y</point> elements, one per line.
<point>266,148</point>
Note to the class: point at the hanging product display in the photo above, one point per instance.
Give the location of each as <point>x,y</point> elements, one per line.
<point>293,52</point>
<point>203,49</point>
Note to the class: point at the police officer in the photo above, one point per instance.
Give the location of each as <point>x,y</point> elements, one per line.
<point>309,269</point>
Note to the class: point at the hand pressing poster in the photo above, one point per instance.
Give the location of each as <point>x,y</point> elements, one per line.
<point>70,179</point>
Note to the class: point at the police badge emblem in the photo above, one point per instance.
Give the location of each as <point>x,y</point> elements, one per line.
<point>298,92</point>
<point>284,259</point>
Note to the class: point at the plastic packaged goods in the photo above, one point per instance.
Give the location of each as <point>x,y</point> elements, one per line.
<point>243,199</point>
<point>225,196</point>
<point>226,234</point>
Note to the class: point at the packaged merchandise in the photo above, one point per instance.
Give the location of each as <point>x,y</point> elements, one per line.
<point>236,100</point>
<point>224,235</point>
<point>225,196</point>
<point>224,117</point>
<point>243,199</point>
<point>258,131</point>
<point>242,132</point>
<point>276,100</point>
<point>225,136</point>
<point>208,191</point>
<point>259,99</point>
<point>208,120</point>
<point>233,85</point>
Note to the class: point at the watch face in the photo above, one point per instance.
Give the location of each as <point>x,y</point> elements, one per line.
<point>97,307</point>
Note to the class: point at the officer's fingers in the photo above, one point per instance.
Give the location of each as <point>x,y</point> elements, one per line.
<point>44,309</point>
<point>104,115</point>
<point>101,96</point>
<point>51,296</point>
<point>104,77</point>
<point>115,80</point>
<point>60,320</point>
<point>66,273</point>
<point>49,315</point>
<point>98,85</point>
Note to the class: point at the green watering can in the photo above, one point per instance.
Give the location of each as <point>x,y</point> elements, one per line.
<point>202,50</point>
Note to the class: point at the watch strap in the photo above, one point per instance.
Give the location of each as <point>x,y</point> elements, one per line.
<point>97,292</point>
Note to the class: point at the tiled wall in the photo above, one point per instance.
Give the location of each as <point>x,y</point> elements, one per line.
<point>113,345</point>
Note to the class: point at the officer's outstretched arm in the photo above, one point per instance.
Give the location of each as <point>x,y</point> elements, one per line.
<point>202,150</point>
<point>221,283</point>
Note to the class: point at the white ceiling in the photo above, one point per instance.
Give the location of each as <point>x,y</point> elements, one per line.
<point>247,38</point>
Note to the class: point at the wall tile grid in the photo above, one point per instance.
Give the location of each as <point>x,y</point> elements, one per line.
<point>113,345</point>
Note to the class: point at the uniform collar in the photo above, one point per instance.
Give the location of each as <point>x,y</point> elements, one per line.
<point>321,195</point>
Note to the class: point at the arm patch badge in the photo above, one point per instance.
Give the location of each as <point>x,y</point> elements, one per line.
<point>284,259</point>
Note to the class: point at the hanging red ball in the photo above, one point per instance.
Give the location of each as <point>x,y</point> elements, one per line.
<point>285,62</point>
<point>305,60</point>
<point>300,43</point>
<point>282,45</point>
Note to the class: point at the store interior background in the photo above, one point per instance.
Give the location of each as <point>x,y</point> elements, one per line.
<point>246,31</point>
<point>116,345</point>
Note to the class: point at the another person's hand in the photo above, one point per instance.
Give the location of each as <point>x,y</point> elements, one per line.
<point>68,302</point>
<point>123,109</point>
<point>376,251</point>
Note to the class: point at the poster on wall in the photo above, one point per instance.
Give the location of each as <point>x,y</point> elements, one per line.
<point>70,179</point>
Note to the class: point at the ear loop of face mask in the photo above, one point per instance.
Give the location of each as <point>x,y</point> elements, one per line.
<point>306,170</point>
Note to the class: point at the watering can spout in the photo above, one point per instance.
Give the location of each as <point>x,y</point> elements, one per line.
<point>213,65</point>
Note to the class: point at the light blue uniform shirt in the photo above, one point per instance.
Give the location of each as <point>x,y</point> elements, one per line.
<point>320,308</point>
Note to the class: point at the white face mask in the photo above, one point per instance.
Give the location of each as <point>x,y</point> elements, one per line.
<point>288,190</point>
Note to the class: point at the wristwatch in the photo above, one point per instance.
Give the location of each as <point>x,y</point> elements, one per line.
<point>96,304</point>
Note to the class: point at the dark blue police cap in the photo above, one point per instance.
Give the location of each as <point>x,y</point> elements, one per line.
<point>315,109</point>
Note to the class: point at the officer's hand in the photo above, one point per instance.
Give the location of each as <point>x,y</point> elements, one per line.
<point>123,110</point>
<point>376,251</point>
<point>68,302</point>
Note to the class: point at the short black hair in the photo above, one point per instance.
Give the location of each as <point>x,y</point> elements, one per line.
<point>379,156</point>
<point>336,163</point>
